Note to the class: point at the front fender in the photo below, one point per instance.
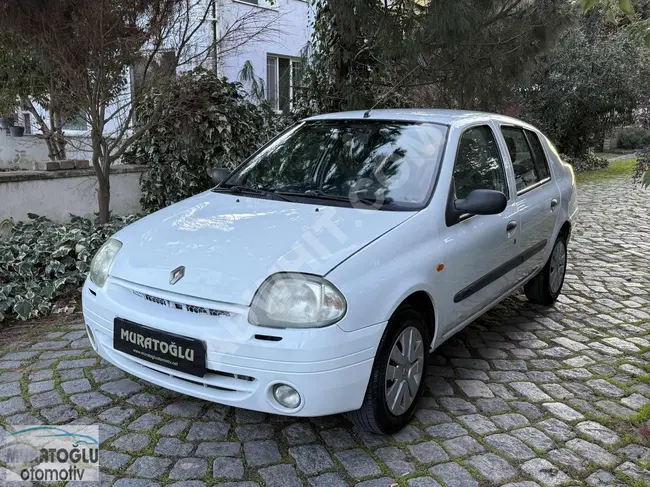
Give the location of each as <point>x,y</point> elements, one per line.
<point>377,279</point>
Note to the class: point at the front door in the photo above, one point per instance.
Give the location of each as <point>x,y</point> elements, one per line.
<point>478,249</point>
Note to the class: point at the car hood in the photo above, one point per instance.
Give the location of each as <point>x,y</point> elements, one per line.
<point>230,244</point>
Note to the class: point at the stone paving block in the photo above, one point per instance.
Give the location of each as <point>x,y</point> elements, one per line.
<point>148,467</point>
<point>428,452</point>
<point>218,449</point>
<point>474,388</point>
<point>173,447</point>
<point>510,420</point>
<point>329,480</point>
<point>280,476</point>
<point>90,400</point>
<point>299,434</point>
<point>562,411</point>
<point>568,460</point>
<point>228,468</point>
<point>9,389</point>
<point>462,446</point>
<point>601,478</point>
<point>510,447</point>
<point>260,453</point>
<point>189,468</point>
<point>597,432</point>
<point>132,442</point>
<point>423,482</point>
<point>545,472</point>
<point>311,459</point>
<point>478,424</point>
<point>453,475</point>
<point>381,482</point>
<point>116,415</point>
<point>592,452</point>
<point>534,439</point>
<point>492,467</point>
<point>446,430</point>
<point>212,430</point>
<point>530,391</point>
<point>357,463</point>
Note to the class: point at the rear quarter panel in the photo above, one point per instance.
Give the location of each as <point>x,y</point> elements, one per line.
<point>565,179</point>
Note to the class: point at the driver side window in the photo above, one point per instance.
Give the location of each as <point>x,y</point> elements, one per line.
<point>478,163</point>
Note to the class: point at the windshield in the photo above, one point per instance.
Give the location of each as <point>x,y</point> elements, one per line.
<point>391,163</point>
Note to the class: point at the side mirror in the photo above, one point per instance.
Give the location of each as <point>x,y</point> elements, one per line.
<point>219,175</point>
<point>483,202</point>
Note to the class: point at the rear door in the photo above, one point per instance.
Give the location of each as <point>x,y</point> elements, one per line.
<point>478,249</point>
<point>537,199</point>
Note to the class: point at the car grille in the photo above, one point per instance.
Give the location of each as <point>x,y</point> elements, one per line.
<point>182,306</point>
<point>233,387</point>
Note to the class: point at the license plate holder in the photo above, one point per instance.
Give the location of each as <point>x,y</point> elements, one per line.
<point>159,347</point>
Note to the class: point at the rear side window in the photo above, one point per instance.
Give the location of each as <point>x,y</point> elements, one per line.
<point>478,163</point>
<point>527,156</point>
<point>538,154</point>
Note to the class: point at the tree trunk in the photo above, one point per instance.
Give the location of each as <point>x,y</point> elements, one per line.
<point>59,141</point>
<point>104,199</point>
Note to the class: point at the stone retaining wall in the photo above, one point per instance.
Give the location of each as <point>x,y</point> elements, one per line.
<point>57,194</point>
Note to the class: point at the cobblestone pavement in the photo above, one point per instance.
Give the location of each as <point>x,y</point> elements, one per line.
<point>526,396</point>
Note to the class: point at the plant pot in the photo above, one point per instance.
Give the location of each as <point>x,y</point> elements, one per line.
<point>17,131</point>
<point>6,122</point>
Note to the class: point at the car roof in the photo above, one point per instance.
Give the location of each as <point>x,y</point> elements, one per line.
<point>433,115</point>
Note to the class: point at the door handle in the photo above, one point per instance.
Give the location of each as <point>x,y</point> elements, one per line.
<point>511,226</point>
<point>553,203</point>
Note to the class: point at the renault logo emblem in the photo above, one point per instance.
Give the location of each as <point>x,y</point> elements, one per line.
<point>176,275</point>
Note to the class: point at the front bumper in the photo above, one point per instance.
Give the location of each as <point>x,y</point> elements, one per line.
<point>329,367</point>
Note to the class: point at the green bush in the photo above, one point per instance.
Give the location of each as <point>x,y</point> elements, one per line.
<point>634,138</point>
<point>642,168</point>
<point>588,162</point>
<point>43,262</point>
<point>214,125</point>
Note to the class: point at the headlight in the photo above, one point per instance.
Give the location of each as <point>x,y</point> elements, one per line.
<point>102,261</point>
<point>290,300</point>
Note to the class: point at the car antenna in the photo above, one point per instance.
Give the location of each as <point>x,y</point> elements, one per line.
<point>388,93</point>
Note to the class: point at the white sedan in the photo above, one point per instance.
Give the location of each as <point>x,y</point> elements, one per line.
<point>316,277</point>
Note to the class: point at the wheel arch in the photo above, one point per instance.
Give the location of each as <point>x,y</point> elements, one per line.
<point>422,302</point>
<point>565,229</point>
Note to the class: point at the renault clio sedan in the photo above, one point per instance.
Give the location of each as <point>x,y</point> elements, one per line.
<point>318,276</point>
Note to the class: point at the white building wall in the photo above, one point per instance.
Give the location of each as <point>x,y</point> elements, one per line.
<point>288,34</point>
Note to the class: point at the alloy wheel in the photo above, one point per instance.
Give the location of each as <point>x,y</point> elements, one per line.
<point>558,266</point>
<point>404,370</point>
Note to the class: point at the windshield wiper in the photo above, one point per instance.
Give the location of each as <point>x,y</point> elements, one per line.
<point>318,194</point>
<point>239,189</point>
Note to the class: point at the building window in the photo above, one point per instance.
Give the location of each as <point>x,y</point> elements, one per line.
<point>76,122</point>
<point>283,76</point>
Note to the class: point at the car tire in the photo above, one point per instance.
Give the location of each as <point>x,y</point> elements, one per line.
<point>376,414</point>
<point>546,286</point>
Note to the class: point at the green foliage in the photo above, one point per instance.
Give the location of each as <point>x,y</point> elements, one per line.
<point>589,83</point>
<point>589,161</point>
<point>43,261</point>
<point>634,138</point>
<point>616,169</point>
<point>210,125</point>
<point>622,12</point>
<point>454,54</point>
<point>642,168</point>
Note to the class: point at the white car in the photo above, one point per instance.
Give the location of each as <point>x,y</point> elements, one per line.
<point>317,277</point>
